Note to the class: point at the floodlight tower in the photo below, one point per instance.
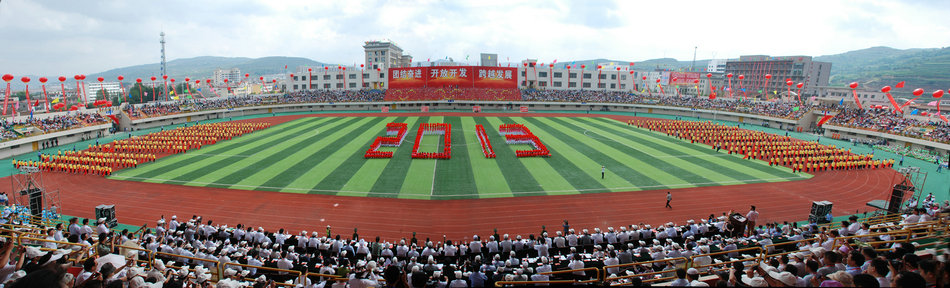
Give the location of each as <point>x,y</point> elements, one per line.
<point>163,51</point>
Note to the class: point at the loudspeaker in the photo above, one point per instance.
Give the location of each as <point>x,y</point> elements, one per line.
<point>108,212</point>
<point>36,203</point>
<point>897,197</point>
<point>818,211</point>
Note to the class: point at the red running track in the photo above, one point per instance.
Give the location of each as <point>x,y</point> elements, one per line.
<point>139,203</point>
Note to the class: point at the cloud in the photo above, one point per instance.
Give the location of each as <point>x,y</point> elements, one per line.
<point>71,37</point>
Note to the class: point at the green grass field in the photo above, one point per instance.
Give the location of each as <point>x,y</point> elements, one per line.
<point>324,155</point>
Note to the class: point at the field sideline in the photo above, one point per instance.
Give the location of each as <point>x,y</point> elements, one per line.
<point>324,155</point>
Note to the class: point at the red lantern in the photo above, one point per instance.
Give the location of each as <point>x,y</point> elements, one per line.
<point>361,66</point>
<point>938,94</point>
<point>768,76</point>
<point>800,85</point>
<point>729,75</point>
<point>43,80</point>
<point>82,77</point>
<point>7,77</point>
<point>379,69</point>
<point>121,78</point>
<point>153,78</point>
<point>262,78</point>
<point>138,80</point>
<point>644,77</point>
<point>675,78</point>
<point>100,79</point>
<point>708,75</point>
<point>225,80</point>
<point>886,89</point>
<point>550,65</point>
<point>741,77</point>
<point>853,85</point>
<point>76,77</point>
<point>599,66</point>
<point>657,80</point>
<point>164,77</point>
<point>583,66</point>
<point>172,80</point>
<point>27,80</point>
<point>525,64</point>
<point>631,63</point>
<point>789,83</point>
<point>291,75</point>
<point>918,92</point>
<point>247,75</point>
<point>618,68</point>
<point>208,81</point>
<point>344,68</point>
<point>61,78</point>
<point>273,81</point>
<point>187,79</point>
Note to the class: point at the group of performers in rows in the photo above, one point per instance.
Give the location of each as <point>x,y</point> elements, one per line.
<point>181,139</point>
<point>103,159</point>
<point>800,155</point>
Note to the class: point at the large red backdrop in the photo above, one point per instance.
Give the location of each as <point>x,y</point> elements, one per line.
<point>453,83</point>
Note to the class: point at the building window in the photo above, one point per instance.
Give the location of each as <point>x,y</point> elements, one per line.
<point>572,75</point>
<point>339,77</point>
<point>602,76</point>
<point>326,77</point>
<point>613,77</point>
<point>522,74</point>
<point>599,85</point>
<point>522,83</point>
<point>613,86</point>
<point>295,86</point>
<point>558,75</point>
<point>586,75</point>
<point>352,76</point>
<point>352,85</point>
<point>586,85</point>
<point>623,86</point>
<point>365,75</point>
<point>571,85</point>
<point>557,84</point>
<point>543,84</point>
<point>365,85</point>
<point>382,75</point>
<point>542,74</point>
<point>326,86</point>
<point>339,85</point>
<point>295,77</point>
<point>623,77</point>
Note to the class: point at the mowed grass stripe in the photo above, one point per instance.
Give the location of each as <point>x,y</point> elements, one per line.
<point>421,174</point>
<point>212,170</point>
<point>373,170</point>
<point>677,166</point>
<point>549,180</point>
<point>652,167</point>
<point>484,168</point>
<point>566,164</point>
<point>293,167</point>
<point>277,154</point>
<point>390,182</point>
<point>349,158</point>
<point>675,147</point>
<point>595,150</point>
<point>181,161</point>
<point>454,176</point>
<point>752,169</point>
<point>585,168</point>
<point>516,175</point>
<point>329,158</point>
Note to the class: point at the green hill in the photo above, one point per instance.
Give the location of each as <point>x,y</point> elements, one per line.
<point>877,67</point>
<point>203,67</point>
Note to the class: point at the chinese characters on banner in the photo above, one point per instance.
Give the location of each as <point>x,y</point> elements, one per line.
<point>453,77</point>
<point>453,83</point>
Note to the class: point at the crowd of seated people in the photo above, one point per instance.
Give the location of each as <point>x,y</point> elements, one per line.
<point>817,256</point>
<point>886,121</point>
<point>52,123</point>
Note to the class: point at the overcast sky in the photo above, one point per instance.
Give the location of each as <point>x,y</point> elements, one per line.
<point>71,37</point>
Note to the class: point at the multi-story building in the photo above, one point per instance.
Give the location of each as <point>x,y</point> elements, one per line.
<point>717,65</point>
<point>489,59</point>
<point>384,55</point>
<point>233,75</point>
<point>93,88</point>
<point>334,78</point>
<point>798,69</point>
<point>834,95</point>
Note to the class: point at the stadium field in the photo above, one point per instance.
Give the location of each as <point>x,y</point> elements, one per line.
<point>324,155</point>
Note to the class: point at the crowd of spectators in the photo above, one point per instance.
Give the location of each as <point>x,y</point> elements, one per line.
<point>817,256</point>
<point>886,121</point>
<point>50,124</point>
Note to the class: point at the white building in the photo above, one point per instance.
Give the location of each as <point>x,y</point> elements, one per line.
<point>716,65</point>
<point>93,88</point>
<point>385,55</point>
<point>233,75</point>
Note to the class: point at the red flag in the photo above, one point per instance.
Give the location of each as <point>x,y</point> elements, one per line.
<point>825,119</point>
<point>900,84</point>
<point>37,103</point>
